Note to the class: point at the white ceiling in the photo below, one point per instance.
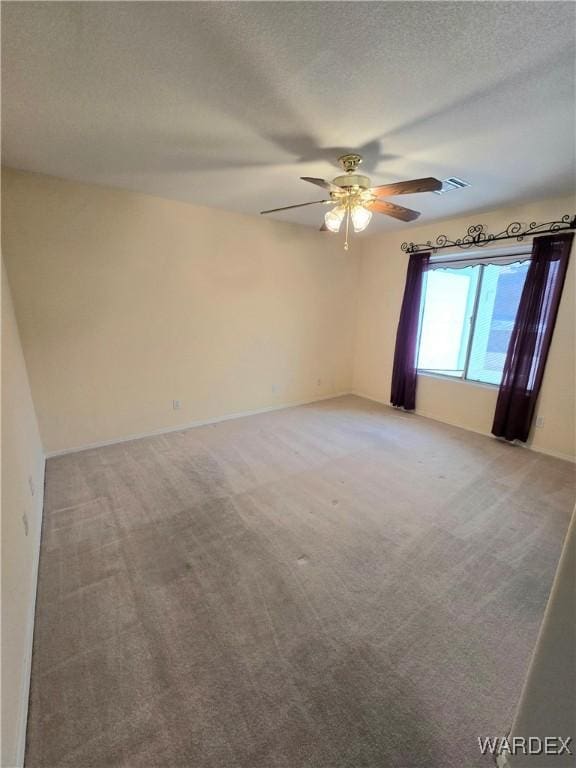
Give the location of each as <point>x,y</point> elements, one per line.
<point>227,104</point>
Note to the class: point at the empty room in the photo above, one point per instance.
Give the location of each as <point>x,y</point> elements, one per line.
<point>288,384</point>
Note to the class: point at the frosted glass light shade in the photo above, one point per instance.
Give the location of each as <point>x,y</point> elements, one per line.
<point>360,217</point>
<point>333,218</point>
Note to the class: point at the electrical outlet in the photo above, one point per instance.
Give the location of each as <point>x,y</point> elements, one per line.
<point>274,388</point>
<point>25,523</point>
<point>319,382</point>
<point>176,404</point>
<point>540,422</point>
<point>31,485</point>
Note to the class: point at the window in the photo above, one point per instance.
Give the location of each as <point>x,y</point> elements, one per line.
<point>466,318</point>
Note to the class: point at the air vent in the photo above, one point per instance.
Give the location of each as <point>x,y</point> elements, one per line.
<point>452,183</point>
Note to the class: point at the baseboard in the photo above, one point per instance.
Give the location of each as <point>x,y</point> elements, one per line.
<point>549,452</point>
<point>426,415</point>
<point>26,677</point>
<point>196,423</point>
<point>280,407</point>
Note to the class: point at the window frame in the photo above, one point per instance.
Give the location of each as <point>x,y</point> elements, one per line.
<point>477,261</point>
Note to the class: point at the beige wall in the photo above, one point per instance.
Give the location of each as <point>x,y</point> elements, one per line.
<point>381,286</point>
<point>22,458</point>
<point>126,302</point>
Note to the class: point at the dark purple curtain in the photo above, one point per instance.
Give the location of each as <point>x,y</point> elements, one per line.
<point>531,336</point>
<point>404,372</point>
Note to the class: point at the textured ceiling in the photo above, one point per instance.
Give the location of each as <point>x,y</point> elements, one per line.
<point>227,104</point>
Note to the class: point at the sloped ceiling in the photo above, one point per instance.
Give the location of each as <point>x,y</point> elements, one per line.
<point>227,104</point>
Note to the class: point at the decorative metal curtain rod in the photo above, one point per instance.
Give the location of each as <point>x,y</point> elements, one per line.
<point>477,237</point>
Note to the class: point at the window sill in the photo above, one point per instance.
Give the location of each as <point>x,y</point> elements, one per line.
<point>471,382</point>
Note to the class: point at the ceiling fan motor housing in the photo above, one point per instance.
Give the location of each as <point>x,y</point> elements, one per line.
<point>350,164</point>
<point>352,180</point>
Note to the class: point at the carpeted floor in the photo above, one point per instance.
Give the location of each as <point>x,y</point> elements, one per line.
<point>332,586</point>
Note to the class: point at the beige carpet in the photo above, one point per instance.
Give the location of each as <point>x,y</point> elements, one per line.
<point>335,585</point>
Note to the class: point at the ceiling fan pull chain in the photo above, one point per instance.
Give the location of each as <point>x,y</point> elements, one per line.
<point>347,223</point>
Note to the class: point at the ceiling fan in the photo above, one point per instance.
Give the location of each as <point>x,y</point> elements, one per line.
<point>353,199</point>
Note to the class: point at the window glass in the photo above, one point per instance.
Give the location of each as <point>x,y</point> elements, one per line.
<point>466,319</point>
<point>447,306</point>
<point>500,291</point>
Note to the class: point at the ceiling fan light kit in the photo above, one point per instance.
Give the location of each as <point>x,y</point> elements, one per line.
<point>334,218</point>
<point>354,199</point>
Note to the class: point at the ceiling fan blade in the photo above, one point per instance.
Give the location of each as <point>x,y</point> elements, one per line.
<point>321,183</point>
<point>298,205</point>
<point>396,211</point>
<point>429,184</point>
<point>324,228</point>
